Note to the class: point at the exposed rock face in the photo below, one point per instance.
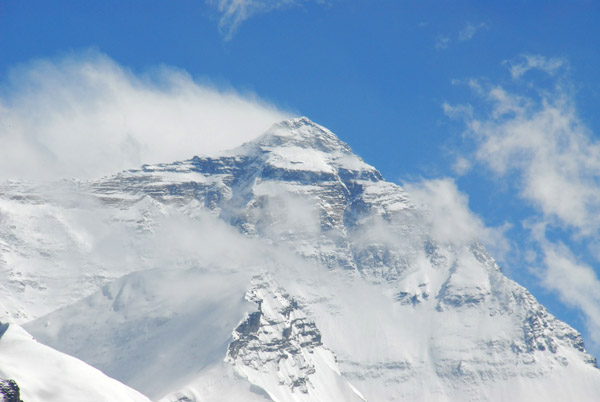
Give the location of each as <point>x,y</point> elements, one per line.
<point>9,391</point>
<point>278,349</point>
<point>276,338</point>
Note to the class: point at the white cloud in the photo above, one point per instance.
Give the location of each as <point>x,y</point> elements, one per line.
<point>451,220</point>
<point>576,284</point>
<point>553,154</point>
<point>532,137</point>
<point>462,166</point>
<point>457,111</point>
<point>529,62</point>
<point>86,116</point>
<point>469,31</point>
<point>234,12</point>
<point>442,42</point>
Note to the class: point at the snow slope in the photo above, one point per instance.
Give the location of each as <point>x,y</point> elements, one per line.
<point>153,329</point>
<point>354,296</point>
<point>45,375</point>
<point>58,243</point>
<point>159,330</point>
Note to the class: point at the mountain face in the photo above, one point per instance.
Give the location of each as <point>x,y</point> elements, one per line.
<point>286,270</point>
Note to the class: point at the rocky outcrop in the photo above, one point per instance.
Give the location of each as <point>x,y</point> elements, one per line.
<point>279,349</point>
<point>276,338</point>
<point>9,391</point>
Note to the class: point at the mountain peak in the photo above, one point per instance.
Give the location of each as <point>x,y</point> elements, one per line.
<point>303,133</point>
<point>300,145</point>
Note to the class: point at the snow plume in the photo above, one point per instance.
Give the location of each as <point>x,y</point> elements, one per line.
<point>84,115</point>
<point>532,136</point>
<point>451,220</point>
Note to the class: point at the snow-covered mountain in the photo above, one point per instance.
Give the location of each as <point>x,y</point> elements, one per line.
<point>286,270</point>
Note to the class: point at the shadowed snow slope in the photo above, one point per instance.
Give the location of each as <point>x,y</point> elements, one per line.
<point>287,270</point>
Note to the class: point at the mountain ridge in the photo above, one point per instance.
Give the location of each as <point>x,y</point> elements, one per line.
<point>405,315</point>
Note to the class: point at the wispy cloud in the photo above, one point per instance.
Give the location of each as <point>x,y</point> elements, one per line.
<point>532,135</point>
<point>462,166</point>
<point>451,219</point>
<point>442,42</point>
<point>575,282</point>
<point>232,13</point>
<point>470,30</point>
<point>465,34</point>
<point>553,154</point>
<point>529,62</point>
<point>86,116</point>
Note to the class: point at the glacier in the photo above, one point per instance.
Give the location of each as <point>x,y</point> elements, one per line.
<point>287,269</point>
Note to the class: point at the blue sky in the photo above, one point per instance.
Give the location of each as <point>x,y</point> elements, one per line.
<point>491,102</point>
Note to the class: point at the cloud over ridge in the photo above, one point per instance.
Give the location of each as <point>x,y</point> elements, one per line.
<point>532,137</point>
<point>86,116</point>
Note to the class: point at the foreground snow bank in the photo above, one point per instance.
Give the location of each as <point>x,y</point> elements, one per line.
<point>46,375</point>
